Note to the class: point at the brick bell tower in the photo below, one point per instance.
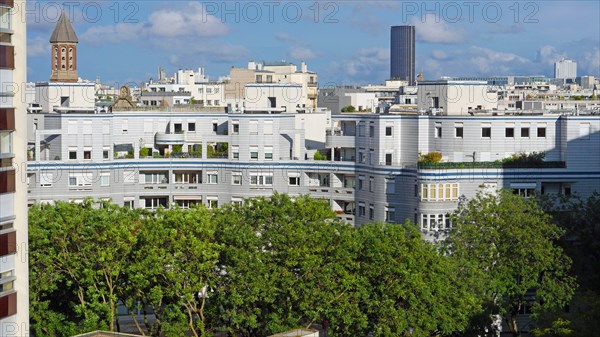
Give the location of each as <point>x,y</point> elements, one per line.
<point>64,51</point>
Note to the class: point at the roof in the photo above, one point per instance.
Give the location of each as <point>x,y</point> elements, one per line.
<point>64,32</point>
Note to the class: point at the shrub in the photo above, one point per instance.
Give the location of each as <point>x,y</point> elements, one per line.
<point>349,108</point>
<point>432,157</point>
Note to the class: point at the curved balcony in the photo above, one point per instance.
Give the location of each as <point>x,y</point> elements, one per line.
<point>162,138</point>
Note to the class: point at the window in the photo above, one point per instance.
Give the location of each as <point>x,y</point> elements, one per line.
<point>388,159</point>
<point>235,152</point>
<point>371,156</point>
<point>584,130</point>
<point>237,201</point>
<point>253,152</point>
<point>435,222</point>
<point>567,190</point>
<point>371,184</point>
<point>80,180</point>
<point>509,132</point>
<point>371,130</point>
<point>261,179</point>
<point>253,124</point>
<point>268,152</point>
<point>268,127</point>
<point>458,130</point>
<point>525,189</point>
<point>269,78</point>
<point>361,209</point>
<point>541,132</point>
<point>525,132</point>
<point>105,179</point>
<point>390,185</point>
<point>361,130</point>
<point>72,153</point>
<point>258,78</point>
<point>154,178</point>
<point>191,127</point>
<point>236,178</point>
<point>105,152</point>
<point>154,203</point>
<point>390,214</point>
<point>128,202</point>
<point>87,153</point>
<point>294,179</point>
<point>438,130</point>
<point>439,192</point>
<point>371,212</point>
<point>215,126</point>
<point>184,177</point>
<point>361,157</point>
<point>360,182</point>
<point>486,130</point>
<point>389,131</point>
<point>235,127</point>
<point>213,177</point>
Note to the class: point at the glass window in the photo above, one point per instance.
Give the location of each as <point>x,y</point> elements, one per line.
<point>389,131</point>
<point>541,132</point>
<point>236,179</point>
<point>486,132</point>
<point>509,132</point>
<point>525,132</point>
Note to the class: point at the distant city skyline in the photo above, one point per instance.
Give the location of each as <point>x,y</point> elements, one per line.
<point>346,42</point>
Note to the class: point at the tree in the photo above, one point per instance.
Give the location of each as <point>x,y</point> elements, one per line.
<point>78,254</point>
<point>413,289</point>
<point>506,247</point>
<point>349,108</point>
<point>285,264</point>
<point>171,269</point>
<point>580,218</point>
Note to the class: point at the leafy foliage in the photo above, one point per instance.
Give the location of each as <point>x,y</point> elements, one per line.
<point>429,158</point>
<point>506,245</point>
<point>349,108</point>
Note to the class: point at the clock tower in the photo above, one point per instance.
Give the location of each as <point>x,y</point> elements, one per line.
<point>64,51</point>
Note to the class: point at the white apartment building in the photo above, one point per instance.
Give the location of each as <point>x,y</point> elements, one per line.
<point>14,266</point>
<point>565,68</point>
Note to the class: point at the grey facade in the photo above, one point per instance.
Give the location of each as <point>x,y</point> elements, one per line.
<point>372,172</point>
<point>402,57</point>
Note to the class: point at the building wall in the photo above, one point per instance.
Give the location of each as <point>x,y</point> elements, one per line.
<point>80,95</point>
<point>13,199</point>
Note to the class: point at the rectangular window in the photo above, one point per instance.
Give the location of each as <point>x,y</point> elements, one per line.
<point>388,159</point>
<point>361,129</point>
<point>236,178</point>
<point>253,124</point>
<point>235,127</point>
<point>235,152</point>
<point>268,127</point>
<point>261,179</point>
<point>72,153</point>
<point>486,130</point>
<point>215,126</point>
<point>371,212</point>
<point>439,192</point>
<point>390,214</point>
<point>361,181</point>
<point>154,178</point>
<point>438,130</point>
<point>525,132</point>
<point>106,152</point>
<point>253,152</point>
<point>371,130</point>
<point>509,132</point>
<point>87,153</point>
<point>268,152</point>
<point>389,131</point>
<point>105,179</point>
<point>213,177</point>
<point>390,185</point>
<point>361,209</point>
<point>585,130</point>
<point>371,184</point>
<point>212,202</point>
<point>258,78</point>
<point>191,127</point>
<point>541,132</point>
<point>458,130</point>
<point>294,179</point>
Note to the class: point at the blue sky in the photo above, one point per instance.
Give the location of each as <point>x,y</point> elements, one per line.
<point>346,42</point>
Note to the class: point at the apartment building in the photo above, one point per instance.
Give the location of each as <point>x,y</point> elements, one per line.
<point>14,282</point>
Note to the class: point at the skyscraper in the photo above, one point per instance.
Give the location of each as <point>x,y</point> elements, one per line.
<point>565,68</point>
<point>402,60</point>
<point>14,282</point>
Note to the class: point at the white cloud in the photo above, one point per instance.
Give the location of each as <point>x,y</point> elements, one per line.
<point>301,53</point>
<point>191,21</point>
<point>368,65</point>
<point>431,29</point>
<point>38,46</point>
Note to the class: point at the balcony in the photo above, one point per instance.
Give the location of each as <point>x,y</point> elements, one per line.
<point>163,138</point>
<point>7,181</point>
<point>336,138</point>
<point>7,57</point>
<point>494,165</point>
<point>7,119</point>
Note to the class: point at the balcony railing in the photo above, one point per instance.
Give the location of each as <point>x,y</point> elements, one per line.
<point>497,165</point>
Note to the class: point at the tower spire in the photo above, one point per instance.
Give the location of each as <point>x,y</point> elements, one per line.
<point>64,51</point>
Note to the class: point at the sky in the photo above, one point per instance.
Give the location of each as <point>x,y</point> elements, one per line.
<point>346,42</point>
